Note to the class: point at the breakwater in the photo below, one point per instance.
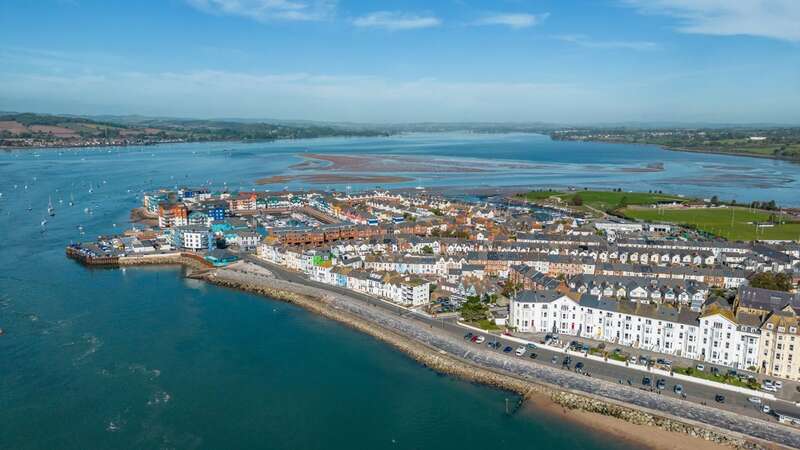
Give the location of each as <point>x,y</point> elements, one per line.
<point>90,258</point>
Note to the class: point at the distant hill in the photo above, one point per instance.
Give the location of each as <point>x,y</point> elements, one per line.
<point>45,130</point>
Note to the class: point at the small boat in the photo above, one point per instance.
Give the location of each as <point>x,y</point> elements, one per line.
<point>50,210</point>
<point>2,332</point>
<point>71,200</point>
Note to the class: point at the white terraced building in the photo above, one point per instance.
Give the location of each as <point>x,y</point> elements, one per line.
<point>712,336</point>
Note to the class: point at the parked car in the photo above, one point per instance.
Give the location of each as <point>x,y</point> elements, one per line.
<point>534,356</point>
<point>507,349</point>
<point>480,339</point>
<point>700,367</point>
<point>766,409</point>
<point>778,384</point>
<point>468,336</point>
<point>520,351</point>
<point>769,388</point>
<point>678,389</point>
<point>554,359</point>
<point>530,345</point>
<point>646,381</point>
<point>719,398</point>
<point>579,367</point>
<point>474,339</point>
<point>661,384</point>
<point>754,400</point>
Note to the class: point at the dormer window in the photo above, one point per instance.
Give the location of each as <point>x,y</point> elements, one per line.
<point>769,326</point>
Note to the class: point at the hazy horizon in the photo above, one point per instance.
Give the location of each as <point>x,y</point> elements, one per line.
<point>609,62</point>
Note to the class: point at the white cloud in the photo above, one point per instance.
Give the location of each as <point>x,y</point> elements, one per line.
<point>513,20</point>
<point>395,21</point>
<point>585,41</point>
<point>269,10</point>
<point>776,19</point>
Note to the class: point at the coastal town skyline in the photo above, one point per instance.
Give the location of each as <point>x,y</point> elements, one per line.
<point>562,62</point>
<point>336,224</point>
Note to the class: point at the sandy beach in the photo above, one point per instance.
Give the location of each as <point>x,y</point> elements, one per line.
<point>640,435</point>
<point>324,178</point>
<point>384,163</point>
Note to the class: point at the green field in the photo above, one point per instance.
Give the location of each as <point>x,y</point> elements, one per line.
<point>730,223</point>
<point>604,200</point>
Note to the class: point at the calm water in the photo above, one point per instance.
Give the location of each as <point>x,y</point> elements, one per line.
<point>142,358</point>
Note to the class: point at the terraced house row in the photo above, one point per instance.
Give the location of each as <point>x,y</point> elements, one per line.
<point>759,333</point>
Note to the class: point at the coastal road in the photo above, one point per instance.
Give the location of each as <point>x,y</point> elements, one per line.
<point>736,414</point>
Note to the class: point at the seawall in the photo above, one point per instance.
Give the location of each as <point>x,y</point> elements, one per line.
<point>445,363</point>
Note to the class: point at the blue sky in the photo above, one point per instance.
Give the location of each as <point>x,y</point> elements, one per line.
<point>406,61</point>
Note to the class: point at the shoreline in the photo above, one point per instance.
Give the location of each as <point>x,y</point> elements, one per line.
<point>685,150</point>
<point>630,422</point>
<point>597,413</point>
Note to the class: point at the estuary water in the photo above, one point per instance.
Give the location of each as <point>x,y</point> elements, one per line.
<point>144,359</point>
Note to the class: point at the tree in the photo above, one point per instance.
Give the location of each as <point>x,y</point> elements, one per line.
<point>427,250</point>
<point>773,281</point>
<point>577,200</point>
<point>473,310</point>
